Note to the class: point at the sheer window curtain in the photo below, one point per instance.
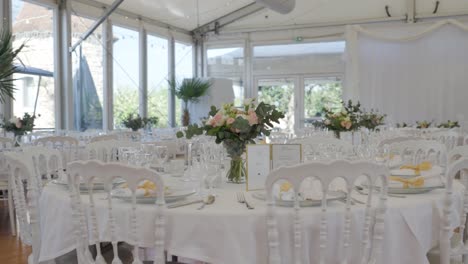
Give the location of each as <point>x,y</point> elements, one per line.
<point>411,72</point>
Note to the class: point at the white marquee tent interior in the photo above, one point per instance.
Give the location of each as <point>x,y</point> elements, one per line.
<point>88,65</point>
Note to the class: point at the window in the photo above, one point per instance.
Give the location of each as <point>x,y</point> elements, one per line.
<point>33,25</point>
<point>183,69</point>
<point>126,72</point>
<point>228,63</point>
<point>321,92</point>
<point>88,90</point>
<point>158,95</point>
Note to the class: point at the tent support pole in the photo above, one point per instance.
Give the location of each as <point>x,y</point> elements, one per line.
<point>37,94</point>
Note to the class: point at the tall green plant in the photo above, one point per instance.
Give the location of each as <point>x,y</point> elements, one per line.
<point>7,56</point>
<point>189,91</point>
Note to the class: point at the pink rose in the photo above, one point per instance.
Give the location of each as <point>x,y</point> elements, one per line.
<point>346,124</point>
<point>217,120</point>
<point>252,118</point>
<point>230,120</point>
<point>235,130</point>
<point>18,123</point>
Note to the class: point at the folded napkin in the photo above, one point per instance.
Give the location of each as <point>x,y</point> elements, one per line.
<point>423,166</point>
<point>425,178</point>
<point>144,189</point>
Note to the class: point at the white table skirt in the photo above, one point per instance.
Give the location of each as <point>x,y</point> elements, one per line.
<point>227,232</point>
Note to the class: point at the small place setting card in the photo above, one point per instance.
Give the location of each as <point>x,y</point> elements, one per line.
<point>263,158</point>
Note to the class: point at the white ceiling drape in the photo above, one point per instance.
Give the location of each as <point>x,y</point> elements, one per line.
<point>411,73</point>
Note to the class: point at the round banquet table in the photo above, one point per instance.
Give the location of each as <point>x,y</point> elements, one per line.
<point>227,232</point>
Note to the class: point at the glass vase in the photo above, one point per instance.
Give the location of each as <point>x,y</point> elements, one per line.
<point>235,150</point>
<point>18,140</point>
<point>236,172</point>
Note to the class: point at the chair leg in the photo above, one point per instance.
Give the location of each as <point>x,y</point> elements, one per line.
<point>11,212</point>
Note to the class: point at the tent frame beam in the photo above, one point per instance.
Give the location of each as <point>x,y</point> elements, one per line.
<point>96,24</point>
<point>217,24</point>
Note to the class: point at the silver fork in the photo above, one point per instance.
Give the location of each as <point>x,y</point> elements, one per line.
<point>241,199</point>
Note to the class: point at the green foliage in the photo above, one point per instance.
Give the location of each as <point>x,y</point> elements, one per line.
<point>277,95</point>
<point>423,124</point>
<point>19,126</point>
<point>7,56</point>
<point>138,122</point>
<point>319,96</point>
<point>372,119</point>
<point>189,90</point>
<point>449,124</point>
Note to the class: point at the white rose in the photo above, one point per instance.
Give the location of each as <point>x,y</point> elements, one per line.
<point>344,112</point>
<point>13,119</point>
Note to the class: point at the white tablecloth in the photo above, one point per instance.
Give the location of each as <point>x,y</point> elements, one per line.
<point>227,232</point>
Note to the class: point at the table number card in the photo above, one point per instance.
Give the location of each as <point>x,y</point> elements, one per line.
<point>285,155</point>
<point>258,166</point>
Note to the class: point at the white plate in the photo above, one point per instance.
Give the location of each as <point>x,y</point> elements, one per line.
<point>411,190</point>
<point>174,195</point>
<point>332,196</point>
<point>84,188</point>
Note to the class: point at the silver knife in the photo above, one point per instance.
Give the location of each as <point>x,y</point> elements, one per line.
<point>184,203</point>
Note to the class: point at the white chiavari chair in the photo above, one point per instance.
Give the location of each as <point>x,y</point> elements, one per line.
<point>45,164</point>
<point>129,136</point>
<point>453,253</point>
<point>6,144</point>
<point>66,144</point>
<point>91,171</point>
<point>393,140</point>
<point>103,138</point>
<point>326,173</point>
<point>417,151</point>
<point>449,138</point>
<point>105,151</point>
<point>26,204</point>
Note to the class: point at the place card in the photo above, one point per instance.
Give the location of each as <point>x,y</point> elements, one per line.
<point>258,166</point>
<point>285,155</point>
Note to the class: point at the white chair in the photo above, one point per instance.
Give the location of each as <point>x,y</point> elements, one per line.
<point>417,151</point>
<point>393,140</point>
<point>26,206</point>
<point>105,151</point>
<point>67,145</point>
<point>103,138</point>
<point>129,136</point>
<point>44,163</point>
<point>447,251</point>
<point>89,172</point>
<point>7,144</point>
<point>457,153</point>
<point>371,248</point>
<point>449,138</point>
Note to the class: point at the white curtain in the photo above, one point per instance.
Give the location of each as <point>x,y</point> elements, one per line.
<point>411,72</point>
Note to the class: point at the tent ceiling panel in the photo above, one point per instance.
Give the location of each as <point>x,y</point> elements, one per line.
<point>321,11</point>
<point>445,6</point>
<point>182,13</point>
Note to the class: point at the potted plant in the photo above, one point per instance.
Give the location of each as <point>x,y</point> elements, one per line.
<point>189,91</point>
<point>7,56</point>
<point>138,122</point>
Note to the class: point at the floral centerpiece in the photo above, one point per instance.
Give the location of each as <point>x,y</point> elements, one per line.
<point>235,128</point>
<point>372,119</point>
<point>449,124</point>
<point>401,125</point>
<point>19,126</point>
<point>423,124</point>
<point>138,122</point>
<point>348,119</point>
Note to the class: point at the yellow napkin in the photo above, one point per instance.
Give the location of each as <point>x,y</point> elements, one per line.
<point>285,187</point>
<point>412,182</point>
<point>147,186</point>
<point>423,166</point>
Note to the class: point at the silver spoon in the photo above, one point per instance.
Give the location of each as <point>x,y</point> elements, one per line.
<point>210,199</point>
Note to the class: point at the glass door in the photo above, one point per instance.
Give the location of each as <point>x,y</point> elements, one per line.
<point>319,92</point>
<point>280,92</point>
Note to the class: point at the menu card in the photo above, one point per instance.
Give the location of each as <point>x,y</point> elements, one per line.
<point>285,155</point>
<point>258,166</point>
<point>261,159</point>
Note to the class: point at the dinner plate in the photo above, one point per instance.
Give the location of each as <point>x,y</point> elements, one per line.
<point>172,195</point>
<point>84,188</point>
<point>331,196</point>
<point>410,190</point>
